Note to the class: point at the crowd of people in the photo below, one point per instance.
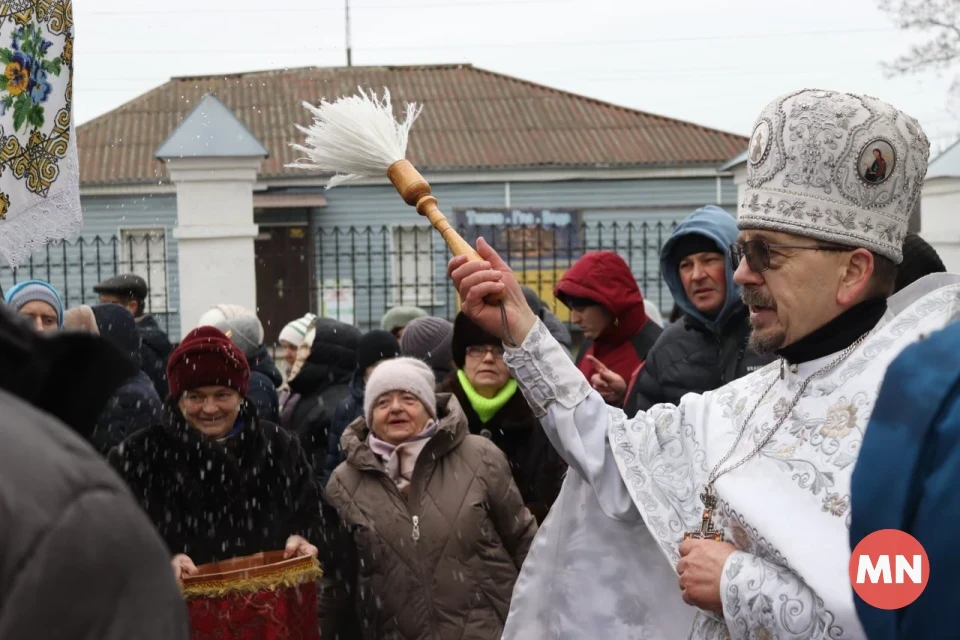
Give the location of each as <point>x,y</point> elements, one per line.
<point>493,477</point>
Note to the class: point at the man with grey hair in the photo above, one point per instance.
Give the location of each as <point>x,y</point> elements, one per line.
<point>746,488</point>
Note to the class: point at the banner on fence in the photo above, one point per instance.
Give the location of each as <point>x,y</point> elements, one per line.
<point>337,300</point>
<point>539,244</point>
<point>527,235</point>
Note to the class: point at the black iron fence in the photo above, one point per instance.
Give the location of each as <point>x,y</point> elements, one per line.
<point>363,271</point>
<point>354,274</point>
<point>75,265</point>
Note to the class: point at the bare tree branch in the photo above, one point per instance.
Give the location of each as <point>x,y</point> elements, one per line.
<point>940,19</point>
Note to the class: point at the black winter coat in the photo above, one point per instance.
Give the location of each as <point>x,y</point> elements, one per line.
<point>214,501</point>
<point>135,406</point>
<point>537,468</point>
<point>349,409</point>
<point>689,358</point>
<point>154,352</point>
<point>264,380</point>
<point>322,383</point>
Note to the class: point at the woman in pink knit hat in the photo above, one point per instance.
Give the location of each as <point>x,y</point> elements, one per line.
<point>437,526</point>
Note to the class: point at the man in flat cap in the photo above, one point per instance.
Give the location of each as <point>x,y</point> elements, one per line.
<point>131,292</point>
<point>746,489</point>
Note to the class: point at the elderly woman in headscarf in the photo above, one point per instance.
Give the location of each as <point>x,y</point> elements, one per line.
<point>436,522</point>
<point>216,480</point>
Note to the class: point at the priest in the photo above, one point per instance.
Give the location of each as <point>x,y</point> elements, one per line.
<point>746,489</point>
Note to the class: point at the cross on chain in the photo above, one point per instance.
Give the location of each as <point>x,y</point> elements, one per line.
<point>706,531</point>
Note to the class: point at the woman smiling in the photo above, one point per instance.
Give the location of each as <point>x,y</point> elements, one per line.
<point>436,523</point>
<point>216,481</point>
<point>496,410</point>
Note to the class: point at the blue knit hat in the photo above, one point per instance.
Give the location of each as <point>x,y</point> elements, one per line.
<point>35,291</point>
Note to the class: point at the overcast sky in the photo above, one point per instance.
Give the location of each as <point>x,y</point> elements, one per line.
<point>689,59</point>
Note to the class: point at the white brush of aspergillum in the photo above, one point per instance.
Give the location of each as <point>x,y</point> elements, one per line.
<point>355,137</point>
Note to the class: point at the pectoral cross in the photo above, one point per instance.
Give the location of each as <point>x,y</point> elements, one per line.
<point>706,532</point>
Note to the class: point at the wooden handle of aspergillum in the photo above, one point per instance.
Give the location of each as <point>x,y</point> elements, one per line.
<point>415,191</point>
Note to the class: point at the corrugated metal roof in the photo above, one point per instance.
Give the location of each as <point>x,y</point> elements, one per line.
<point>472,119</point>
<point>211,130</point>
<point>947,164</point>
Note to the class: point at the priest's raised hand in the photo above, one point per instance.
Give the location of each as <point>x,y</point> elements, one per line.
<point>479,281</point>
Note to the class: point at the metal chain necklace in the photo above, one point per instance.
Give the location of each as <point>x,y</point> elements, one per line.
<point>709,495</point>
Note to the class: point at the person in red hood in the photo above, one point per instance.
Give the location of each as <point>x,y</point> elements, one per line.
<point>606,303</point>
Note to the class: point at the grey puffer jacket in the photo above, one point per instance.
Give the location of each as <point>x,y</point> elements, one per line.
<point>441,563</point>
<point>78,558</point>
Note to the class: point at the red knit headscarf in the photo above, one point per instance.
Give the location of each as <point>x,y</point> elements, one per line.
<point>207,358</point>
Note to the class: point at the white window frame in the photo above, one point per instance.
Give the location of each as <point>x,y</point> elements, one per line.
<point>424,294</point>
<point>158,301</point>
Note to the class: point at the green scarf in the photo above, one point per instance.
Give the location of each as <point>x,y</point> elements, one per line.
<point>486,408</point>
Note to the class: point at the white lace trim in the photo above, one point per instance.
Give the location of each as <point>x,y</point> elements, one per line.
<point>23,231</point>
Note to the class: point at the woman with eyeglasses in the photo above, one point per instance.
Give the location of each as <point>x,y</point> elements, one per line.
<point>496,410</point>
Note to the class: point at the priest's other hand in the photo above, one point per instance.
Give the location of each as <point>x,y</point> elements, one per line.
<point>611,387</point>
<point>474,281</point>
<point>183,566</point>
<point>298,546</point>
<point>701,564</point>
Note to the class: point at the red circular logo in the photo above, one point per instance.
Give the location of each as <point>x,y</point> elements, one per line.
<point>889,569</point>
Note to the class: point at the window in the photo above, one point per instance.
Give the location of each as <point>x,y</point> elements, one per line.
<point>143,252</point>
<point>413,266</point>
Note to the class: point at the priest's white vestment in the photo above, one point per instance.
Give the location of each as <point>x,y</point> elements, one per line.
<point>786,509</point>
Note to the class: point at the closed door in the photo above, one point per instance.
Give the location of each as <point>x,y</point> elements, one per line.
<point>283,277</point>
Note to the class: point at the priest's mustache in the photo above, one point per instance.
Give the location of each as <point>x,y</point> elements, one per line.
<point>752,297</point>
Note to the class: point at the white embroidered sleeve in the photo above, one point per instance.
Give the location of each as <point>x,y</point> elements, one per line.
<point>573,415</point>
<point>764,599</point>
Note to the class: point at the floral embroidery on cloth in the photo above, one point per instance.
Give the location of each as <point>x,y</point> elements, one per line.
<point>39,175</point>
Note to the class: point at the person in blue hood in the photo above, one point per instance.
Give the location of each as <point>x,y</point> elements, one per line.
<point>707,348</point>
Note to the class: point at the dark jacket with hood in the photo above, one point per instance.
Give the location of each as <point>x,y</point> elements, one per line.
<point>349,409</point>
<point>322,383</point>
<point>70,375</point>
<point>136,404</point>
<point>604,277</point>
<point>451,574</point>
<point>265,378</point>
<point>63,505</point>
<point>697,353</point>
<point>218,500</point>
<point>155,350</point>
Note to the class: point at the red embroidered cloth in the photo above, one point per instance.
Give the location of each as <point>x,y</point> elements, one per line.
<point>288,613</point>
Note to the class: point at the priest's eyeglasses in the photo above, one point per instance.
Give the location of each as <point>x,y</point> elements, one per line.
<point>757,252</point>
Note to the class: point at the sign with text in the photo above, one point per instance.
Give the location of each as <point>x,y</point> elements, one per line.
<point>528,234</point>
<point>539,244</point>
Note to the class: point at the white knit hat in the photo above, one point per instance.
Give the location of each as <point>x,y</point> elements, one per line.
<point>838,167</point>
<point>400,374</point>
<point>296,331</point>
